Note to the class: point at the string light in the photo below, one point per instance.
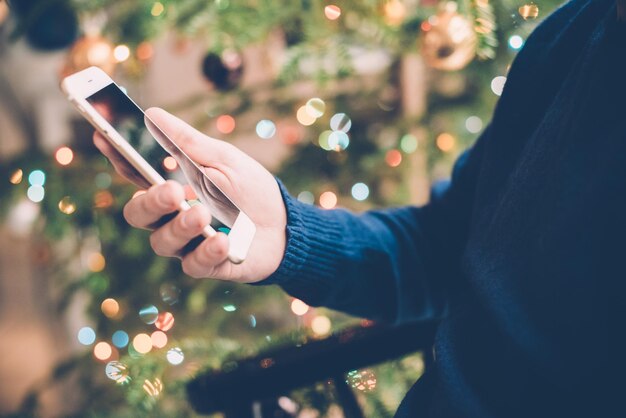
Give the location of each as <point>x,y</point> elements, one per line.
<point>149,314</point>
<point>153,388</point>
<point>121,53</point>
<point>102,351</point>
<point>175,356</point>
<point>474,124</point>
<point>110,307</point>
<point>265,129</point>
<point>142,343</point>
<point>159,339</point>
<point>304,118</point>
<point>516,42</point>
<point>36,193</point>
<point>315,107</point>
<point>86,336</point>
<point>360,191</point>
<point>328,200</point>
<point>67,206</point>
<point>96,262</point>
<point>340,122</point>
<point>64,155</point>
<point>408,143</point>
<point>16,177</point>
<point>321,325</point>
<point>120,339</point>
<point>445,142</point>
<point>37,178</point>
<point>298,307</point>
<point>165,321</point>
<point>393,158</point>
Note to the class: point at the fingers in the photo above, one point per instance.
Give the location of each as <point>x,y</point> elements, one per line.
<point>170,239</point>
<point>145,210</point>
<point>209,259</point>
<point>199,147</point>
<point>118,161</point>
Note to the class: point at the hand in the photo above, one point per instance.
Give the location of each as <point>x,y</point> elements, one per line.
<point>242,178</point>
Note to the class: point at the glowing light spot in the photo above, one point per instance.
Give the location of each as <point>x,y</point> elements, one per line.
<point>474,124</point>
<point>170,163</point>
<point>120,339</point>
<point>338,140</point>
<point>497,85</point>
<point>103,180</point>
<point>323,140</point>
<point>393,158</point>
<point>145,51</point>
<point>321,325</point>
<point>298,307</point>
<point>103,199</point>
<point>225,124</point>
<point>408,143</point>
<point>159,339</point>
<point>117,372</point>
<point>86,336</point>
<point>332,12</point>
<point>142,343</point>
<point>16,177</point>
<point>96,262</point>
<point>153,387</point>
<point>157,9</point>
<point>36,193</point>
<point>363,380</point>
<point>110,308</point>
<point>64,155</point>
<point>445,142</point>
<point>252,319</point>
<point>395,12</point>
<point>229,308</point>
<point>315,107</point>
<point>169,293</point>
<point>149,314</point>
<point>265,129</point>
<point>360,191</point>
<point>328,200</point>
<point>516,42</point>
<point>102,351</point>
<point>121,53</point>
<point>529,11</point>
<point>306,197</point>
<point>304,118</point>
<point>37,178</point>
<point>175,356</point>
<point>165,321</point>
<point>67,206</point>
<point>340,122</point>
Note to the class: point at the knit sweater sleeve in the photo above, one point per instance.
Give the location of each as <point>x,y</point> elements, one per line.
<point>393,265</point>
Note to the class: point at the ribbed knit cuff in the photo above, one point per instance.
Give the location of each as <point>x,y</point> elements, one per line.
<point>313,251</point>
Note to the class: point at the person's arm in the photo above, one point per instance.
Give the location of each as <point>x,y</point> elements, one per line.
<point>396,265</point>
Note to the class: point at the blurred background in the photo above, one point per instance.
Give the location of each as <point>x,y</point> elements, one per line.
<point>358,104</point>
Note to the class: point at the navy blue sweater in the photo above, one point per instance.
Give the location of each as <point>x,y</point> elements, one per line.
<point>518,256</point>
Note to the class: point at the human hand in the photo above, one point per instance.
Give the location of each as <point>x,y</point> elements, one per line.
<point>242,178</point>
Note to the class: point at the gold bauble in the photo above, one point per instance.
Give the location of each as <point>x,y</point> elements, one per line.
<point>450,42</point>
<point>88,51</point>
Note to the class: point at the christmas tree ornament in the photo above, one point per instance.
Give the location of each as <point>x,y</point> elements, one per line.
<point>450,43</point>
<point>224,71</point>
<point>91,50</point>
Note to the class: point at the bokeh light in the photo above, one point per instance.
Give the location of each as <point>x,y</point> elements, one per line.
<point>332,12</point>
<point>102,351</point>
<point>395,12</point>
<point>363,380</point>
<point>497,85</point>
<point>110,307</point>
<point>145,51</point>
<point>170,163</point>
<point>298,307</point>
<point>338,140</point>
<point>304,118</point>
<point>16,176</point>
<point>306,197</point>
<point>120,339</point>
<point>516,42</point>
<point>360,191</point>
<point>64,155</point>
<point>159,339</point>
<point>103,199</point>
<point>328,200</point>
<point>393,158</point>
<point>340,122</point>
<point>529,11</point>
<point>323,140</point>
<point>229,307</point>
<point>142,343</point>
<point>445,142</point>
<point>265,129</point>
<point>474,124</point>
<point>149,314</point>
<point>117,371</point>
<point>37,178</point>
<point>165,321</point>
<point>103,180</point>
<point>225,124</point>
<point>175,356</point>
<point>36,193</point>
<point>67,205</point>
<point>157,9</point>
<point>252,319</point>
<point>321,325</point>
<point>315,107</point>
<point>153,387</point>
<point>121,53</point>
<point>169,293</point>
<point>86,336</point>
<point>96,262</point>
<point>408,143</point>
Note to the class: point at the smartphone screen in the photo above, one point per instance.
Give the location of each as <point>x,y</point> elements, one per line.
<point>155,147</point>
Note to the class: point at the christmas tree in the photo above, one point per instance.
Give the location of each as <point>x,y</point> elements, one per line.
<point>373,101</point>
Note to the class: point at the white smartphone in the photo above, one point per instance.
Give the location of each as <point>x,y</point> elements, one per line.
<point>145,147</point>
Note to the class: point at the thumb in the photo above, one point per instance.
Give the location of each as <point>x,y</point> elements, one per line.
<point>202,149</point>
